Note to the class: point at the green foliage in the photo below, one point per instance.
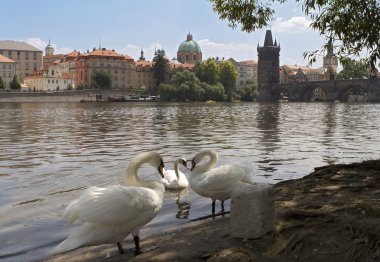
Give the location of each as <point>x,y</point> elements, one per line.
<point>354,25</point>
<point>353,70</point>
<point>227,77</point>
<point>2,84</point>
<point>185,86</point>
<point>160,66</point>
<point>70,87</point>
<point>211,72</point>
<point>248,92</point>
<point>213,92</point>
<point>101,80</point>
<point>15,84</point>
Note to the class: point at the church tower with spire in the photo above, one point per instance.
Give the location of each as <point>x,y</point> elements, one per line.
<point>268,66</point>
<point>49,49</point>
<point>330,61</point>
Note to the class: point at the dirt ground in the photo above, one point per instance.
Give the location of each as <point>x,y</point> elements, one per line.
<point>333,214</point>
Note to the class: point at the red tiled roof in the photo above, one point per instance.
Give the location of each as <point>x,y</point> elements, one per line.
<point>4,59</point>
<point>249,62</point>
<point>143,63</point>
<point>104,52</point>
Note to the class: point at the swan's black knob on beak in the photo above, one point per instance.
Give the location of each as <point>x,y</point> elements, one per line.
<point>161,169</point>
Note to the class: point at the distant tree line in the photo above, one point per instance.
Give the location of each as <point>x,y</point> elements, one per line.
<point>208,80</point>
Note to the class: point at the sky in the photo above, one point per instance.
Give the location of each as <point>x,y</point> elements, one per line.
<point>128,26</point>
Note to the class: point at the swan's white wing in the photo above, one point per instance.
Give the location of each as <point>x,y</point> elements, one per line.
<point>112,205</point>
<point>221,178</point>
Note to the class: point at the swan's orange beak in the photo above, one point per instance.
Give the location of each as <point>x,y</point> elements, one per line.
<point>161,169</point>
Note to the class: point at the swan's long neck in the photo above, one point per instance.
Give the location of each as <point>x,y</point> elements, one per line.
<point>176,168</point>
<point>210,164</point>
<point>131,178</point>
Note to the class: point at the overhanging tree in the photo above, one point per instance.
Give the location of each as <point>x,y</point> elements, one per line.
<point>353,69</point>
<point>352,25</point>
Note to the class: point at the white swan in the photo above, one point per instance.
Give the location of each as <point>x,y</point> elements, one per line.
<point>217,183</point>
<point>108,215</point>
<point>175,179</point>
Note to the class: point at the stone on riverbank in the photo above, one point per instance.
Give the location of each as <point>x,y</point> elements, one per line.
<point>252,211</point>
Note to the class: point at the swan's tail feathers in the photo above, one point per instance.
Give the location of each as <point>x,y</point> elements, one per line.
<point>65,246</point>
<point>247,171</point>
<point>71,212</point>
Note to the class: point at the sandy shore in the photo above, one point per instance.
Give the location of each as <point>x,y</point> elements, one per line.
<point>333,214</point>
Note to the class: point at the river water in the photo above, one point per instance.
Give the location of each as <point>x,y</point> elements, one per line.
<point>51,152</point>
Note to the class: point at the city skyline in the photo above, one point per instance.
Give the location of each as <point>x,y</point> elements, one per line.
<point>128,27</point>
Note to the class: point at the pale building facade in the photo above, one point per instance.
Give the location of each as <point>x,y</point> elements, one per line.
<point>7,70</point>
<point>27,57</point>
<point>247,71</point>
<point>50,80</point>
<point>298,73</point>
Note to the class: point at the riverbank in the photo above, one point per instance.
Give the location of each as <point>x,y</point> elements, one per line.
<point>331,214</point>
<point>64,96</point>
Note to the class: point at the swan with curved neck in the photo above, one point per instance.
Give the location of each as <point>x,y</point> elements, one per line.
<point>214,182</point>
<point>175,179</point>
<point>108,215</point>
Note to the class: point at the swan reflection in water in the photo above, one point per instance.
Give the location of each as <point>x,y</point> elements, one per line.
<point>183,210</point>
<point>183,207</point>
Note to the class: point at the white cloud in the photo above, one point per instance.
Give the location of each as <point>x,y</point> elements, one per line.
<point>37,42</point>
<point>41,44</point>
<point>296,24</point>
<point>134,51</point>
<point>238,51</point>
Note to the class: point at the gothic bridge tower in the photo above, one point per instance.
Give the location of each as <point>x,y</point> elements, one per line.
<point>268,67</point>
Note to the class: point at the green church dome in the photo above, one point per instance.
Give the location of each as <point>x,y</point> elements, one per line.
<point>49,46</point>
<point>189,45</point>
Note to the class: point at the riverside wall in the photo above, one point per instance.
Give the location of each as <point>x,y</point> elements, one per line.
<point>64,96</point>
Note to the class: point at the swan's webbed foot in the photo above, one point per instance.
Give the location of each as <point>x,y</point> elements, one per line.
<point>222,208</point>
<point>120,247</point>
<point>136,239</point>
<point>213,209</point>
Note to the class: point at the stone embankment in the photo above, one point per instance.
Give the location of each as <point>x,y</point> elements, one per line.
<point>64,96</point>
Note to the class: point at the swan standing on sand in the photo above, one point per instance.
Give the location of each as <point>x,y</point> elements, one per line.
<point>108,215</point>
<point>217,183</point>
<point>175,179</point>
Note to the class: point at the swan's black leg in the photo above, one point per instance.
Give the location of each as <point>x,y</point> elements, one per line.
<point>213,209</point>
<point>137,245</point>
<point>120,247</point>
<point>222,207</point>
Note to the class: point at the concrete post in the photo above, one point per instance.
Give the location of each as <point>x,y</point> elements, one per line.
<point>252,211</point>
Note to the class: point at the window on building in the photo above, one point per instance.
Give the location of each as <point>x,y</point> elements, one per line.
<point>187,57</point>
<point>194,57</point>
<point>48,81</point>
<point>26,56</point>
<point>34,55</point>
<point>4,67</point>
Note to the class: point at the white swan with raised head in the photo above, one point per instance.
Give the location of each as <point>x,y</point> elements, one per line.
<point>108,215</point>
<point>217,183</point>
<point>175,179</point>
